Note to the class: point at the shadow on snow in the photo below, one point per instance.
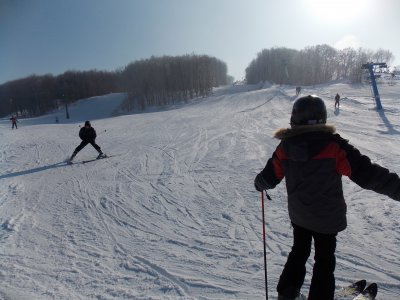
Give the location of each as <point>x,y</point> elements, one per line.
<point>389,126</point>
<point>34,170</point>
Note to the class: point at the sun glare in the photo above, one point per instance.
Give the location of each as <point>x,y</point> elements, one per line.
<point>338,10</point>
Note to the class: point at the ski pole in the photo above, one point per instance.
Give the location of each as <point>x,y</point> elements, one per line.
<point>265,250</point>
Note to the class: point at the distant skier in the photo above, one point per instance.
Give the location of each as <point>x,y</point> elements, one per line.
<point>14,122</point>
<point>337,101</point>
<point>88,136</point>
<point>298,90</point>
<point>313,159</point>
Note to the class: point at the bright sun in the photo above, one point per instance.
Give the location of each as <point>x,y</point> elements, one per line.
<point>338,10</point>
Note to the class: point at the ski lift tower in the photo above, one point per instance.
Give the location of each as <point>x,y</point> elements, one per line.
<point>370,67</point>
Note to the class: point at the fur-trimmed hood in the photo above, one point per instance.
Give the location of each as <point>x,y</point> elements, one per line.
<point>284,133</point>
<point>301,143</point>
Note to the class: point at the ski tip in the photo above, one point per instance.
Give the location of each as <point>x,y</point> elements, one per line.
<point>369,293</point>
<point>371,289</point>
<point>353,289</point>
<point>360,285</point>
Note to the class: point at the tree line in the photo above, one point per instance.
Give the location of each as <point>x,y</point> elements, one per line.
<point>35,95</point>
<point>312,65</point>
<point>167,80</point>
<point>154,81</point>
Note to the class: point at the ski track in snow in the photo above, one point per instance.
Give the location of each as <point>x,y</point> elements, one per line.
<point>174,214</point>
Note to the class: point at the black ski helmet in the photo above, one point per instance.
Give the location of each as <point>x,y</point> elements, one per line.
<point>308,110</point>
<point>87,123</point>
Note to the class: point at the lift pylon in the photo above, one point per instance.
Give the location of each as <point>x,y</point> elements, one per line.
<point>370,68</point>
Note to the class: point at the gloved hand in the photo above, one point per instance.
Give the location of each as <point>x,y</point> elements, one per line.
<point>260,184</point>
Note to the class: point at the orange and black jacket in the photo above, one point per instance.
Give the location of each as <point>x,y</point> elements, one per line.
<point>313,159</point>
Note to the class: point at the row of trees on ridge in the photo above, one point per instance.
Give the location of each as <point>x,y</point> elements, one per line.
<point>148,82</point>
<point>166,80</point>
<point>35,95</point>
<point>312,65</point>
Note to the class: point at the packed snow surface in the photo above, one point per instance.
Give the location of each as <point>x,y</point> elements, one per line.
<point>173,214</point>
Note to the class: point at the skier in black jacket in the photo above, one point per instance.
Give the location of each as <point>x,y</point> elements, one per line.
<point>337,101</point>
<point>313,159</point>
<point>14,122</point>
<point>88,136</point>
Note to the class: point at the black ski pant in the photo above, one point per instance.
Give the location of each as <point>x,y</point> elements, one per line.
<point>323,279</point>
<point>84,143</point>
<point>14,125</point>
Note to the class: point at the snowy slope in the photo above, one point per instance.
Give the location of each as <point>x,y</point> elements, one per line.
<point>174,215</point>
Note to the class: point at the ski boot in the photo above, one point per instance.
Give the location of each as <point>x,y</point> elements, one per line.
<point>101,155</point>
<point>72,157</point>
<point>291,294</point>
<point>299,297</point>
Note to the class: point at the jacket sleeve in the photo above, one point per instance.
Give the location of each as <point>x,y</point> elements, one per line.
<point>369,175</point>
<point>272,174</point>
<point>81,135</point>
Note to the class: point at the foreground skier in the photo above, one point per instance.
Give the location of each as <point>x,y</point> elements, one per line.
<point>313,158</point>
<point>88,136</point>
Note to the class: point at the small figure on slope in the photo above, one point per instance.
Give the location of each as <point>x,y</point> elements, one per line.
<point>337,101</point>
<point>313,159</point>
<point>14,122</point>
<point>298,90</point>
<point>88,136</point>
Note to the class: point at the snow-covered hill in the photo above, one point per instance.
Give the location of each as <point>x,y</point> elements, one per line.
<point>173,214</point>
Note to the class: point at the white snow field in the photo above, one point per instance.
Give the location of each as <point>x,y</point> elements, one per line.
<point>173,214</point>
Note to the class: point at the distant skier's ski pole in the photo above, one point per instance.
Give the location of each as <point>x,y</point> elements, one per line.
<point>265,250</point>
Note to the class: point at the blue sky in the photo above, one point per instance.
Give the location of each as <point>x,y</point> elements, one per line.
<point>53,36</point>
